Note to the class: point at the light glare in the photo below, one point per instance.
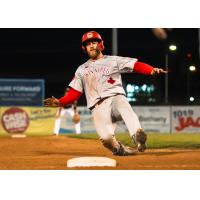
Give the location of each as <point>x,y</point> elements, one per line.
<point>191,98</point>
<point>172,47</point>
<point>192,68</point>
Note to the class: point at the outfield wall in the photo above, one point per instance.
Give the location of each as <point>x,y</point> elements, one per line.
<point>156,119</point>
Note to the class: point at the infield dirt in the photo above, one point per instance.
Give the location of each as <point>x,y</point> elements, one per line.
<point>52,153</point>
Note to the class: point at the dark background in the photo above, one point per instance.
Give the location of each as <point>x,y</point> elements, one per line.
<point>55,54</point>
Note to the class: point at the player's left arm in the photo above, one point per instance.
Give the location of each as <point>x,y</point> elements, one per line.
<point>143,68</point>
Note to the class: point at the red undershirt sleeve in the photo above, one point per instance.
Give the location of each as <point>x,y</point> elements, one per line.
<point>70,96</point>
<point>142,68</point>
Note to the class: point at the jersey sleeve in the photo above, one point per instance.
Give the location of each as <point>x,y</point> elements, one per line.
<point>76,82</point>
<point>125,64</point>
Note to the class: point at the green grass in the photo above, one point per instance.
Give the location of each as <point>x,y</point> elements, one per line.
<point>156,140</point>
<point>186,140</point>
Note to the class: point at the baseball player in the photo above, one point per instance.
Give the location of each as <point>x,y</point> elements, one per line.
<point>100,79</point>
<point>72,111</point>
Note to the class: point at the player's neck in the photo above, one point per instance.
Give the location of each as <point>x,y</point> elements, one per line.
<point>98,57</point>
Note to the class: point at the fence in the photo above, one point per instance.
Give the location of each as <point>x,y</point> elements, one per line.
<point>156,119</point>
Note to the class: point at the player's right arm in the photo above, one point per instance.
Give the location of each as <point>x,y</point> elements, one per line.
<point>73,94</point>
<point>70,96</point>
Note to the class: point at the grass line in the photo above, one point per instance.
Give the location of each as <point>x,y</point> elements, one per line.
<point>156,140</point>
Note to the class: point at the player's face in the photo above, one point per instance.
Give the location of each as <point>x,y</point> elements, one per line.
<point>92,49</point>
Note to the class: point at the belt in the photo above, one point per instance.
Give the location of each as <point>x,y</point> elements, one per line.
<point>101,101</point>
<point>98,103</point>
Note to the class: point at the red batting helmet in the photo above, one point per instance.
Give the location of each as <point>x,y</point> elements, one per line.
<point>92,35</point>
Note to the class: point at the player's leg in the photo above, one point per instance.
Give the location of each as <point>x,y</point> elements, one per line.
<point>102,119</point>
<point>123,108</point>
<point>131,120</point>
<point>57,125</point>
<point>78,128</point>
<point>114,124</point>
<point>105,128</point>
<point>58,122</point>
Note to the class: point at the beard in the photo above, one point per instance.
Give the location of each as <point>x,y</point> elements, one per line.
<point>93,54</point>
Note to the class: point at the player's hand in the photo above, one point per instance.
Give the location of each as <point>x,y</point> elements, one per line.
<point>51,102</point>
<point>157,71</point>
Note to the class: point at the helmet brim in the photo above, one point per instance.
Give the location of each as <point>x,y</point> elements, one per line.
<point>91,40</point>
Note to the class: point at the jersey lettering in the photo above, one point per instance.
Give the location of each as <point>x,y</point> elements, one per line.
<point>102,78</point>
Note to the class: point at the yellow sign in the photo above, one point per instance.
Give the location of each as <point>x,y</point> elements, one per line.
<point>27,120</point>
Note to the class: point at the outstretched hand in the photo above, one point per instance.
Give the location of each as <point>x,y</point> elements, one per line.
<point>51,102</point>
<point>157,71</point>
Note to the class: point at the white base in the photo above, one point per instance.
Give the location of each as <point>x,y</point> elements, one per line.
<point>18,136</point>
<point>91,162</point>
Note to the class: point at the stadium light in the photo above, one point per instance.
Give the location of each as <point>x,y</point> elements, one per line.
<point>129,88</point>
<point>172,47</point>
<point>191,99</point>
<point>192,68</point>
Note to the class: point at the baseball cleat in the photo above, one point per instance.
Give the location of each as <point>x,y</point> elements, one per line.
<point>123,150</point>
<point>140,140</point>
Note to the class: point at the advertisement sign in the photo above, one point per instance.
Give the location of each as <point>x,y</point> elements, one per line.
<point>185,119</point>
<point>87,124</point>
<point>27,120</point>
<point>154,119</point>
<point>21,92</point>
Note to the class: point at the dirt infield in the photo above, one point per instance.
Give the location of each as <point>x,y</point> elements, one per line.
<point>52,153</point>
